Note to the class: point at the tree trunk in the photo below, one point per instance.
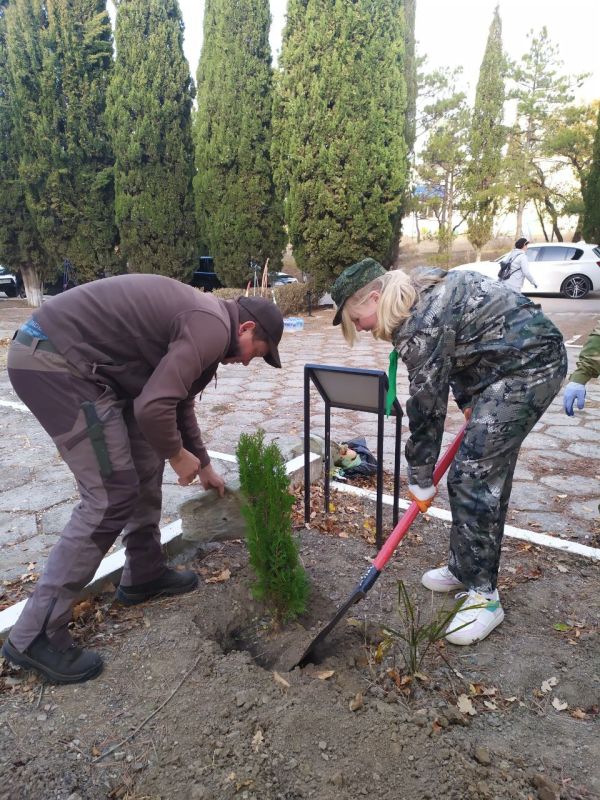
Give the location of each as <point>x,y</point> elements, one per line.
<point>520,209</point>
<point>33,285</point>
<point>477,254</point>
<point>417,228</point>
<point>541,219</point>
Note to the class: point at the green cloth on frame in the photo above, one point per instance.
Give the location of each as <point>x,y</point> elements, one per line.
<point>391,392</point>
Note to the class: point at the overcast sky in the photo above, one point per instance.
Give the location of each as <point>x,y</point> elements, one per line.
<point>454,33</point>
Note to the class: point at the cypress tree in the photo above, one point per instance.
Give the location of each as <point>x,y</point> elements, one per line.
<point>21,247</point>
<point>591,195</point>
<point>79,188</point>
<point>339,146</point>
<point>483,183</point>
<point>149,111</point>
<point>239,218</point>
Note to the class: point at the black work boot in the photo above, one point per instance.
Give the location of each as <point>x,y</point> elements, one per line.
<point>73,665</point>
<point>170,582</point>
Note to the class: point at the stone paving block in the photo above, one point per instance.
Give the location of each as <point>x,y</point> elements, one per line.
<point>54,520</point>
<point>16,526</point>
<point>38,495</point>
<point>585,510</point>
<point>589,450</point>
<point>528,496</point>
<point>571,433</point>
<point>549,522</point>
<point>572,484</point>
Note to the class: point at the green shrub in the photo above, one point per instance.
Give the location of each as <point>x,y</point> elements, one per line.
<point>281,582</point>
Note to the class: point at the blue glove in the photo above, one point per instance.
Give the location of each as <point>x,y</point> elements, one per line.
<point>573,391</point>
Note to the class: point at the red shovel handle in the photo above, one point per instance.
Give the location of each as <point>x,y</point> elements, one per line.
<point>411,513</point>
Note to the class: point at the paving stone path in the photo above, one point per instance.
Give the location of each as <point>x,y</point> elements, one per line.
<point>556,481</point>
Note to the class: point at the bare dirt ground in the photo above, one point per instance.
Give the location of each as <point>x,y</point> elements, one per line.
<point>196,700</point>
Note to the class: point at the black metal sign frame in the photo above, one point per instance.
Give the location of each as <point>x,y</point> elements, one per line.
<point>312,373</point>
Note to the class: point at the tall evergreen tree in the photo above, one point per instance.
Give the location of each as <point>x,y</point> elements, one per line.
<point>20,89</point>
<point>79,186</point>
<point>59,54</point>
<point>591,197</point>
<point>483,183</point>
<point>540,87</point>
<point>239,217</point>
<point>149,111</point>
<point>339,146</point>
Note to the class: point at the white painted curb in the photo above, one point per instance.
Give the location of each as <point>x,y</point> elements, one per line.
<point>542,539</point>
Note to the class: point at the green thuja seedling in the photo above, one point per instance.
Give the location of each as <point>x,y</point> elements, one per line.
<point>416,637</point>
<point>281,582</point>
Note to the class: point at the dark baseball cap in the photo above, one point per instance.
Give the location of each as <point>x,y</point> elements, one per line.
<point>269,317</point>
<point>351,280</point>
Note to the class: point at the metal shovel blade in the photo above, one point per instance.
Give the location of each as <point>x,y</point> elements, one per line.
<point>357,595</point>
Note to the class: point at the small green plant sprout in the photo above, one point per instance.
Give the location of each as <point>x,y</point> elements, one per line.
<point>281,582</point>
<point>416,637</point>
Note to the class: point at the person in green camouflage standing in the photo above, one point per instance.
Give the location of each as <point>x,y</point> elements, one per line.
<point>504,361</point>
<point>587,367</point>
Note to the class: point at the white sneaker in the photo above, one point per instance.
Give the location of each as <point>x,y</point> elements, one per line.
<point>441,580</point>
<point>479,615</point>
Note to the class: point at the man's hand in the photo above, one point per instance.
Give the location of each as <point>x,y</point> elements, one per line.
<point>211,479</point>
<point>573,391</point>
<point>422,497</point>
<point>186,465</point>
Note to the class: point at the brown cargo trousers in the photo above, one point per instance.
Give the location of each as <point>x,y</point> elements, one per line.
<point>119,477</point>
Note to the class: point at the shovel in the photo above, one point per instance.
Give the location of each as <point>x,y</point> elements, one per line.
<point>384,555</point>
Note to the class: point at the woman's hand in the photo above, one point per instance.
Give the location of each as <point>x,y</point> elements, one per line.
<point>422,497</point>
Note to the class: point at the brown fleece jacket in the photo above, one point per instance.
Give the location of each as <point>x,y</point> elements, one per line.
<point>151,339</point>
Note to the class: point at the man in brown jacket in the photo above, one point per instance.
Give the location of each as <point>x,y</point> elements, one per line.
<point>111,370</point>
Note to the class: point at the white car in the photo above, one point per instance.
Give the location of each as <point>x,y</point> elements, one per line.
<point>570,269</point>
<point>8,282</point>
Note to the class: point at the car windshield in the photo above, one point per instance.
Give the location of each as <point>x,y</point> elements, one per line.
<point>4,270</point>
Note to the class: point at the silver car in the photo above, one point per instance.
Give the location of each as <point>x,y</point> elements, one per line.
<point>570,269</point>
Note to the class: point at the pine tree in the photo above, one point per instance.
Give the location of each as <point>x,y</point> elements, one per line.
<point>239,218</point>
<point>540,87</point>
<point>149,112</point>
<point>591,197</point>
<point>339,150</point>
<point>483,183</point>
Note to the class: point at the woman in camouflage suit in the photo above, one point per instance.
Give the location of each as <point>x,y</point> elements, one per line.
<point>504,361</point>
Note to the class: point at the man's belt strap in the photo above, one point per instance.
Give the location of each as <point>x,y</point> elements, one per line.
<point>25,338</point>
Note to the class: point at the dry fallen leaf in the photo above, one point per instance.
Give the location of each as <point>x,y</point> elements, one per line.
<point>465,705</point>
<point>222,576</point>
<point>578,713</point>
<point>490,704</point>
<point>323,676</point>
<point>280,680</point>
<point>356,702</point>
<point>559,705</point>
<point>548,684</point>
<point>258,740</point>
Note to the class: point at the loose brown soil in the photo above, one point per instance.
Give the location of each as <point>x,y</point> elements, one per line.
<point>231,722</point>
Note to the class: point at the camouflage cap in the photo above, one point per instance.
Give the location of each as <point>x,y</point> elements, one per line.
<point>351,280</point>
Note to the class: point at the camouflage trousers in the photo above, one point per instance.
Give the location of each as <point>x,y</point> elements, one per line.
<point>480,478</point>
<point>119,477</point>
